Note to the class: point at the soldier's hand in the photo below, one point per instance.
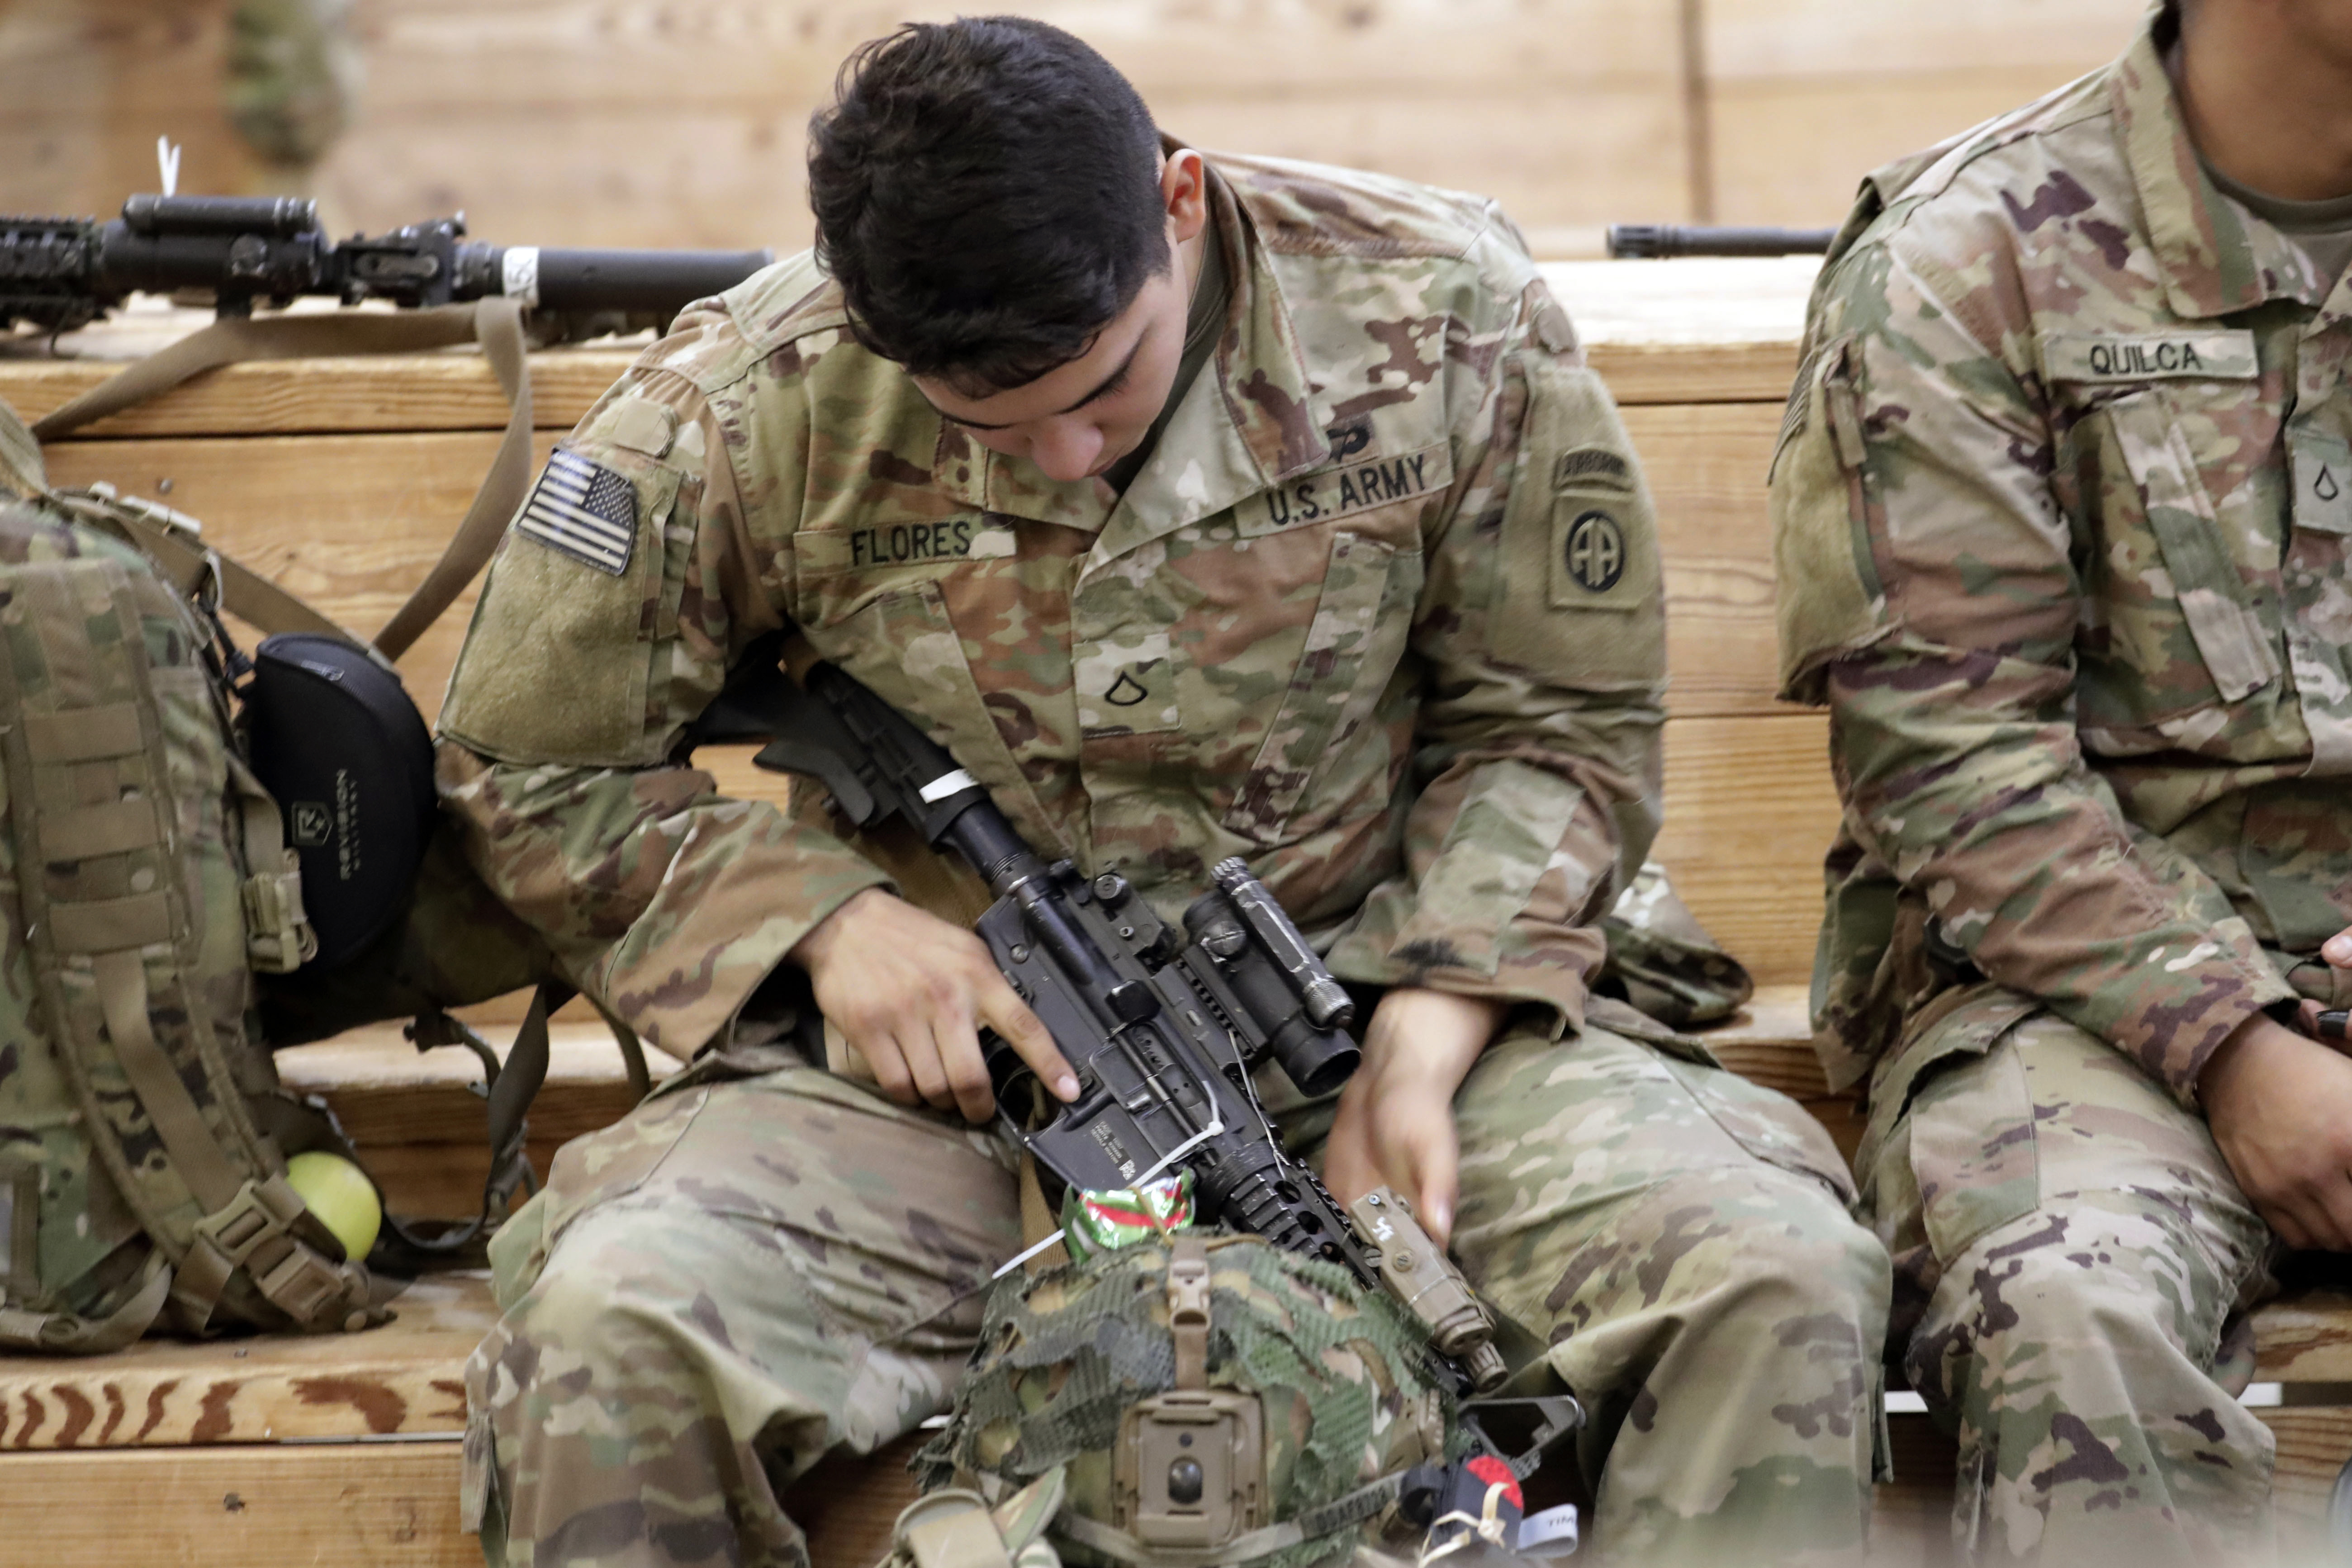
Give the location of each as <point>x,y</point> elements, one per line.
<point>2338,952</point>
<point>909,991</point>
<point>2281,1108</point>
<point>1395,1123</point>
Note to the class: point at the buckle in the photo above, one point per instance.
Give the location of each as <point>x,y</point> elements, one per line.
<point>279,939</point>
<point>261,1209</point>
<point>302,1284</point>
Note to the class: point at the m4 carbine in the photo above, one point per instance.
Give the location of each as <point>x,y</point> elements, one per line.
<point>57,274</point>
<point>1162,1026</point>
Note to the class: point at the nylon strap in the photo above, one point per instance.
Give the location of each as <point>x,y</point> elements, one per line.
<point>121,980</point>
<point>63,1334</point>
<point>495,322</point>
<point>234,338</point>
<point>85,832</point>
<point>84,734</point>
<point>279,936</point>
<point>104,925</point>
<point>171,541</point>
<point>1188,1309</point>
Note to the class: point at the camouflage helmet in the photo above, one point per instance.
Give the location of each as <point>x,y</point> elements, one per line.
<point>1307,1396</point>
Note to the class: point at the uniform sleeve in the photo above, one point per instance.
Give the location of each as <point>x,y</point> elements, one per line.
<point>1930,599</point>
<point>1537,744</point>
<point>583,667</point>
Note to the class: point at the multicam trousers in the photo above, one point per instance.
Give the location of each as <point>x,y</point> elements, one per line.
<point>751,1271</point>
<point>2072,1265</point>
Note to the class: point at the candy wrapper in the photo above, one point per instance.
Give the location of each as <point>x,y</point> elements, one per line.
<point>1106,1221</point>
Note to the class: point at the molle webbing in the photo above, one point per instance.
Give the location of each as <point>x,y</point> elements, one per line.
<point>127,864</point>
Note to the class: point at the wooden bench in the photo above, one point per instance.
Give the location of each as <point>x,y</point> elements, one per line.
<point>341,477</point>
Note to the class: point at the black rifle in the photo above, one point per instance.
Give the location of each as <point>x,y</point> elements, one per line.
<point>1644,241</point>
<point>1161,1026</point>
<point>57,274</point>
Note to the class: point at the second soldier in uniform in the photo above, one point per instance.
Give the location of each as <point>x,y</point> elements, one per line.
<point>2064,522</point>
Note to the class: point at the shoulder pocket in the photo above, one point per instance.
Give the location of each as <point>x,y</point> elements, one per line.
<point>2237,650</point>
<point>556,662</point>
<point>1827,595</point>
<point>1577,591</point>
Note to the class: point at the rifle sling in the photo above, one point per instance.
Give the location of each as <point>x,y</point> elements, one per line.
<point>495,322</point>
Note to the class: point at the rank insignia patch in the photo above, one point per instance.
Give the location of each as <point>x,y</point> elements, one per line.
<point>584,509</point>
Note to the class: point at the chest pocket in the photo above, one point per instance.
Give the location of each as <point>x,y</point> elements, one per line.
<point>1355,641</point>
<point>890,626</point>
<point>840,572</point>
<point>2209,593</point>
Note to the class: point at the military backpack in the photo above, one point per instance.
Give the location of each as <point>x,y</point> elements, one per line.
<point>170,921</point>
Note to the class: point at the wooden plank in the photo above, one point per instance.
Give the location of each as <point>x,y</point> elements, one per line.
<point>1626,142</point>
<point>713,175</point>
<point>2307,1338</point>
<point>1750,812</point>
<point>385,1091</point>
<point>2314,1442</point>
<point>451,391</point>
<point>1707,465</point>
<point>444,1181</point>
<point>554,55</point>
<point>1814,38</point>
<point>848,1504</point>
<point>1794,151</point>
<point>402,1377</point>
<point>590,123</point>
<point>348,522</point>
<point>390,1505</point>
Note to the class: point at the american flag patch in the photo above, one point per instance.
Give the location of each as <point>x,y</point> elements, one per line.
<point>584,509</point>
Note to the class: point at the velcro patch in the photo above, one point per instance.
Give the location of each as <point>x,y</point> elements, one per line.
<point>2099,358</point>
<point>1351,488</point>
<point>1592,468</point>
<point>583,509</point>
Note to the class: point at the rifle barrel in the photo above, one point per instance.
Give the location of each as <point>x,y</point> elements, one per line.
<point>641,281</point>
<point>1663,240</point>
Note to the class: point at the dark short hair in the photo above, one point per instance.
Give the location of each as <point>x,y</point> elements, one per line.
<point>987,196</point>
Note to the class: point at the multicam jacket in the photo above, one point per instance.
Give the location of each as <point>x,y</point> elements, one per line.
<point>2062,515</point>
<point>1380,613</point>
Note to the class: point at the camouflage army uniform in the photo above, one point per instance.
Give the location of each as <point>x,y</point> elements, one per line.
<point>1380,613</point>
<point>2062,511</point>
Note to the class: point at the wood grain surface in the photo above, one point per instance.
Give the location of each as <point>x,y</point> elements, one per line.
<point>373,1505</point>
<point>449,390</point>
<point>401,1377</point>
<point>385,1091</point>
<point>1749,811</point>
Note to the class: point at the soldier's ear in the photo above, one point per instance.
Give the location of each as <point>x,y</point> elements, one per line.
<point>1185,188</point>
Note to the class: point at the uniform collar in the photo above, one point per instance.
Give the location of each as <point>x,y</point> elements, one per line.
<point>2215,257</point>
<point>1244,425</point>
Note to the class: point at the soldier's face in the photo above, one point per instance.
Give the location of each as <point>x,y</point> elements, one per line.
<point>1079,418</point>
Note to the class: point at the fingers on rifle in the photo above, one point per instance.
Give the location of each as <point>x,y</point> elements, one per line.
<point>1003,1010</point>
<point>888,1063</point>
<point>967,1069</point>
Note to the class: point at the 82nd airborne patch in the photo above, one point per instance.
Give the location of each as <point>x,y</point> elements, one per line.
<point>583,509</point>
